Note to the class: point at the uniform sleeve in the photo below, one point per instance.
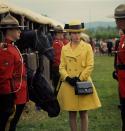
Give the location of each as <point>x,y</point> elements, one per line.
<point>62,67</point>
<point>18,64</point>
<point>89,65</point>
<point>54,45</point>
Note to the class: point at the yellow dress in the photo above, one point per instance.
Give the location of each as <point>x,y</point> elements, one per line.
<point>73,63</point>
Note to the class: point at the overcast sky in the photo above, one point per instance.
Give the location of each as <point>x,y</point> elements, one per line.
<point>66,10</point>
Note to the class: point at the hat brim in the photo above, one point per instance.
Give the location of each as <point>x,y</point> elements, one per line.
<point>51,30</point>
<point>11,27</point>
<point>116,17</point>
<point>119,17</point>
<point>74,30</point>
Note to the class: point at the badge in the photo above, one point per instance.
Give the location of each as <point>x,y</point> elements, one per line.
<point>123,45</point>
<point>6,63</point>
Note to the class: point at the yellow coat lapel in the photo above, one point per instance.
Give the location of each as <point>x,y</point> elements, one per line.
<point>74,53</point>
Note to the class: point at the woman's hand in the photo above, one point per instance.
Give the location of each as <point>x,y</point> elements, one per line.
<point>72,81</point>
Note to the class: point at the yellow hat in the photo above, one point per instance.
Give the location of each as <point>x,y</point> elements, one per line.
<point>74,26</point>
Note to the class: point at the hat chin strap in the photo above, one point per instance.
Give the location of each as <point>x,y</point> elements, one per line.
<point>75,27</point>
<point>2,36</point>
<point>123,31</point>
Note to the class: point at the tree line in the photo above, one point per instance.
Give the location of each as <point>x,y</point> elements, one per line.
<point>103,32</point>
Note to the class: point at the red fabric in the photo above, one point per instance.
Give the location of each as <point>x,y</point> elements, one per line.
<point>22,94</point>
<point>65,41</point>
<point>13,72</point>
<point>6,70</point>
<point>121,60</point>
<point>57,45</point>
<point>121,49</point>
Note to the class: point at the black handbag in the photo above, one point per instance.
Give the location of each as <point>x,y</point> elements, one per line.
<point>83,88</point>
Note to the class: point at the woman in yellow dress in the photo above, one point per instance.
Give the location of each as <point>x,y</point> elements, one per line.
<point>76,59</point>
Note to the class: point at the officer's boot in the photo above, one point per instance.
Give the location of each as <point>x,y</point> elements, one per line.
<point>3,121</point>
<point>123,118</point>
<point>14,121</point>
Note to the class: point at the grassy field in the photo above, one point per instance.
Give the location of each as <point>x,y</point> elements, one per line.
<point>106,118</point>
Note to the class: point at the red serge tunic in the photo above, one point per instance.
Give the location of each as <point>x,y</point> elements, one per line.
<point>13,73</point>
<point>65,41</point>
<point>121,61</point>
<point>57,45</point>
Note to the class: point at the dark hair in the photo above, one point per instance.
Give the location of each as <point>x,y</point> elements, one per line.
<point>123,31</point>
<point>2,34</point>
<point>3,31</point>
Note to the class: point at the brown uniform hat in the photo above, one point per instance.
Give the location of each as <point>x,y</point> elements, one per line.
<point>9,22</point>
<point>58,28</point>
<point>120,12</point>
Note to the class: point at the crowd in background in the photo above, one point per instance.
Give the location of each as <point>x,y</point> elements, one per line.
<point>99,46</point>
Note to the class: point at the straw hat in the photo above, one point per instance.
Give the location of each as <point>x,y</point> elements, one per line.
<point>74,26</point>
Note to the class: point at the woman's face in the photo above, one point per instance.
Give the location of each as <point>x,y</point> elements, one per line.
<point>75,36</point>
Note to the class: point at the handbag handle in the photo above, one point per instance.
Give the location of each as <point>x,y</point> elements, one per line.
<point>79,74</point>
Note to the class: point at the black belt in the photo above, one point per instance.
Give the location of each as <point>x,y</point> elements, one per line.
<point>120,66</point>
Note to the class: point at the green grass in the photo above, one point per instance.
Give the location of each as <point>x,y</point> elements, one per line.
<point>106,118</point>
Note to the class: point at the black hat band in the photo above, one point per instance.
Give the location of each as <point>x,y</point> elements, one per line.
<point>75,27</point>
<point>120,15</point>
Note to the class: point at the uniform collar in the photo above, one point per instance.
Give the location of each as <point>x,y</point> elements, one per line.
<point>8,41</point>
<point>56,39</point>
<point>122,38</point>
